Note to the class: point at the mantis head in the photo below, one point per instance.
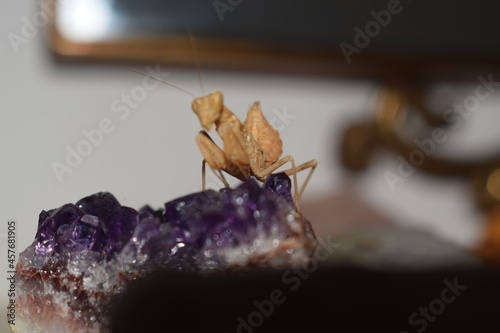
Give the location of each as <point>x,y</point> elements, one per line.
<point>208,109</point>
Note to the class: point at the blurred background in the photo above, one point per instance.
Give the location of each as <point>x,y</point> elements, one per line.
<point>353,85</point>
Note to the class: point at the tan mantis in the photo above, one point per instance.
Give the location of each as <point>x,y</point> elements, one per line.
<point>252,148</point>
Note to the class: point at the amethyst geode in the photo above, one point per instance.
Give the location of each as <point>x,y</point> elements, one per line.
<point>85,253</point>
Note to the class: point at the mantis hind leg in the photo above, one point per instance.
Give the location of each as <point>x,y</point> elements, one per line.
<point>262,174</point>
<point>312,164</point>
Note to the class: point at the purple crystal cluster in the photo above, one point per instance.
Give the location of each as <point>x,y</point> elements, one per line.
<point>208,229</point>
<point>85,254</point>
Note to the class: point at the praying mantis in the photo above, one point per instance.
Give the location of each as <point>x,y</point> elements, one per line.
<point>251,148</point>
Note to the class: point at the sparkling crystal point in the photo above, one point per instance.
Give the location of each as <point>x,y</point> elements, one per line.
<point>280,184</point>
<point>51,230</point>
<point>100,204</point>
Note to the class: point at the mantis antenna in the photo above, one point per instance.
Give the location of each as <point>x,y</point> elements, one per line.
<point>192,40</point>
<point>164,82</point>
